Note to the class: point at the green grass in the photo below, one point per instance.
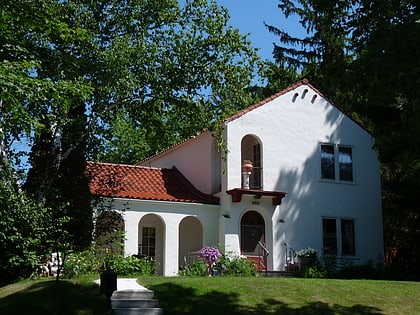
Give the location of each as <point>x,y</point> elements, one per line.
<point>223,295</point>
<point>36,297</point>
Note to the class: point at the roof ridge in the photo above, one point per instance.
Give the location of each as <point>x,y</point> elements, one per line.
<point>270,98</point>
<point>172,146</point>
<point>125,165</point>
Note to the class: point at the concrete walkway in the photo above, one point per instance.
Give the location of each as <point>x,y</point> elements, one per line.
<point>126,284</point>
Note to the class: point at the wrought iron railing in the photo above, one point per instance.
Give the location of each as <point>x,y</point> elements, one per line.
<point>255,179</point>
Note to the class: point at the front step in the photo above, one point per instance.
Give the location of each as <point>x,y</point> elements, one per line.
<point>132,294</point>
<point>133,302</point>
<point>137,311</point>
<point>120,303</point>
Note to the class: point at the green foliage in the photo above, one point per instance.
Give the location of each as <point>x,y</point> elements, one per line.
<point>22,230</point>
<point>236,266</point>
<point>187,70</point>
<point>228,264</point>
<point>196,269</point>
<point>114,80</point>
<point>92,261</point>
<point>331,266</point>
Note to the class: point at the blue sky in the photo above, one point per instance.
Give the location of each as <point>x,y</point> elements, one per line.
<point>249,17</point>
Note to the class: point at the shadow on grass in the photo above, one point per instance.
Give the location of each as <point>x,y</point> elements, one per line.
<point>38,298</point>
<point>177,300</point>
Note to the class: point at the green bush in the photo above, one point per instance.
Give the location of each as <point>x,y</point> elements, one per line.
<point>81,263</point>
<point>236,266</point>
<point>89,261</point>
<point>228,264</point>
<point>195,269</point>
<point>131,265</point>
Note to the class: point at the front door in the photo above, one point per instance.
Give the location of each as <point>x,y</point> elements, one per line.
<point>252,234</point>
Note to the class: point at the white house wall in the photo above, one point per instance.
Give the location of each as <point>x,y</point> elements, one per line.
<point>171,215</point>
<point>195,159</point>
<point>290,129</point>
<point>290,133</point>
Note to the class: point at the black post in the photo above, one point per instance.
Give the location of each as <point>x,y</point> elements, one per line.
<point>108,283</point>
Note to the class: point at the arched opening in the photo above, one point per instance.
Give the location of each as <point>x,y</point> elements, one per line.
<point>190,240</point>
<point>109,230</point>
<point>251,150</point>
<point>252,236</point>
<point>151,239</point>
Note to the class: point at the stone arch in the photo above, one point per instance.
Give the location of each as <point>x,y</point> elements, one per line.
<point>151,239</point>
<point>190,239</point>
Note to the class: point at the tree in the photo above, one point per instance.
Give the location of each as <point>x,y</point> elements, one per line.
<point>82,79</point>
<point>325,52</point>
<point>166,74</point>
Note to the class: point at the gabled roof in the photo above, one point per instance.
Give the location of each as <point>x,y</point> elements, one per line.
<point>144,183</point>
<point>272,97</point>
<point>254,106</point>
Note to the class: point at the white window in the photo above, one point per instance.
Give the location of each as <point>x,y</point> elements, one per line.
<point>338,236</point>
<point>148,245</point>
<point>336,159</point>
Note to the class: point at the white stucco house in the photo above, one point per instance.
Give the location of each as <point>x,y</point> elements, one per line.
<point>314,182</point>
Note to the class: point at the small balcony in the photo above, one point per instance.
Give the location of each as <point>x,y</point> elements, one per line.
<point>251,178</point>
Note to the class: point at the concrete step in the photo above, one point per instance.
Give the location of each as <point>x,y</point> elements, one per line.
<point>123,303</point>
<point>137,311</point>
<point>135,301</point>
<point>132,295</point>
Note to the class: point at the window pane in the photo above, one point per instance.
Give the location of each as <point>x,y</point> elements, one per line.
<point>329,235</point>
<point>347,237</point>
<point>345,159</point>
<point>148,241</point>
<point>327,161</point>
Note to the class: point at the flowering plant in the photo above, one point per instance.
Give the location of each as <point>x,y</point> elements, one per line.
<point>210,255</point>
<point>307,253</point>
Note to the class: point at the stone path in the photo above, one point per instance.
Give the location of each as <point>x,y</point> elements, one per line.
<point>127,284</point>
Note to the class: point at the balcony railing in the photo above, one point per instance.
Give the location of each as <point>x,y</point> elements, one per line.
<point>255,180</point>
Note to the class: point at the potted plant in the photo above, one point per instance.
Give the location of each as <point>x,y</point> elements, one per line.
<point>307,256</point>
<point>246,166</point>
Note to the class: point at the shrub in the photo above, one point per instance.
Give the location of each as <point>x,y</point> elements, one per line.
<point>195,269</point>
<point>237,266</point>
<point>227,264</point>
<point>90,262</point>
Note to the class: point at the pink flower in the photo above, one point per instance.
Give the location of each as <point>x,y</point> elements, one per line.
<point>211,255</point>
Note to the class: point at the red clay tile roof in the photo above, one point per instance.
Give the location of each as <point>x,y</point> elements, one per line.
<point>146,183</point>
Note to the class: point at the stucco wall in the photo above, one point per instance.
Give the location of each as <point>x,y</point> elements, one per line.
<point>168,217</point>
<point>290,133</point>
<point>197,159</point>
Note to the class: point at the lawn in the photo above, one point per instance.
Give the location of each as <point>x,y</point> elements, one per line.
<point>223,295</point>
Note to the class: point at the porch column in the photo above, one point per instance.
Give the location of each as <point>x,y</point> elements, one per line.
<point>131,233</point>
<point>170,262</point>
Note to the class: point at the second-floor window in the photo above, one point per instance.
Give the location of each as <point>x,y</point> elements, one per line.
<point>336,162</point>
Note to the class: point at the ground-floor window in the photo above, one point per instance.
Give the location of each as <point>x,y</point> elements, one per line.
<point>339,236</point>
<point>148,242</point>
